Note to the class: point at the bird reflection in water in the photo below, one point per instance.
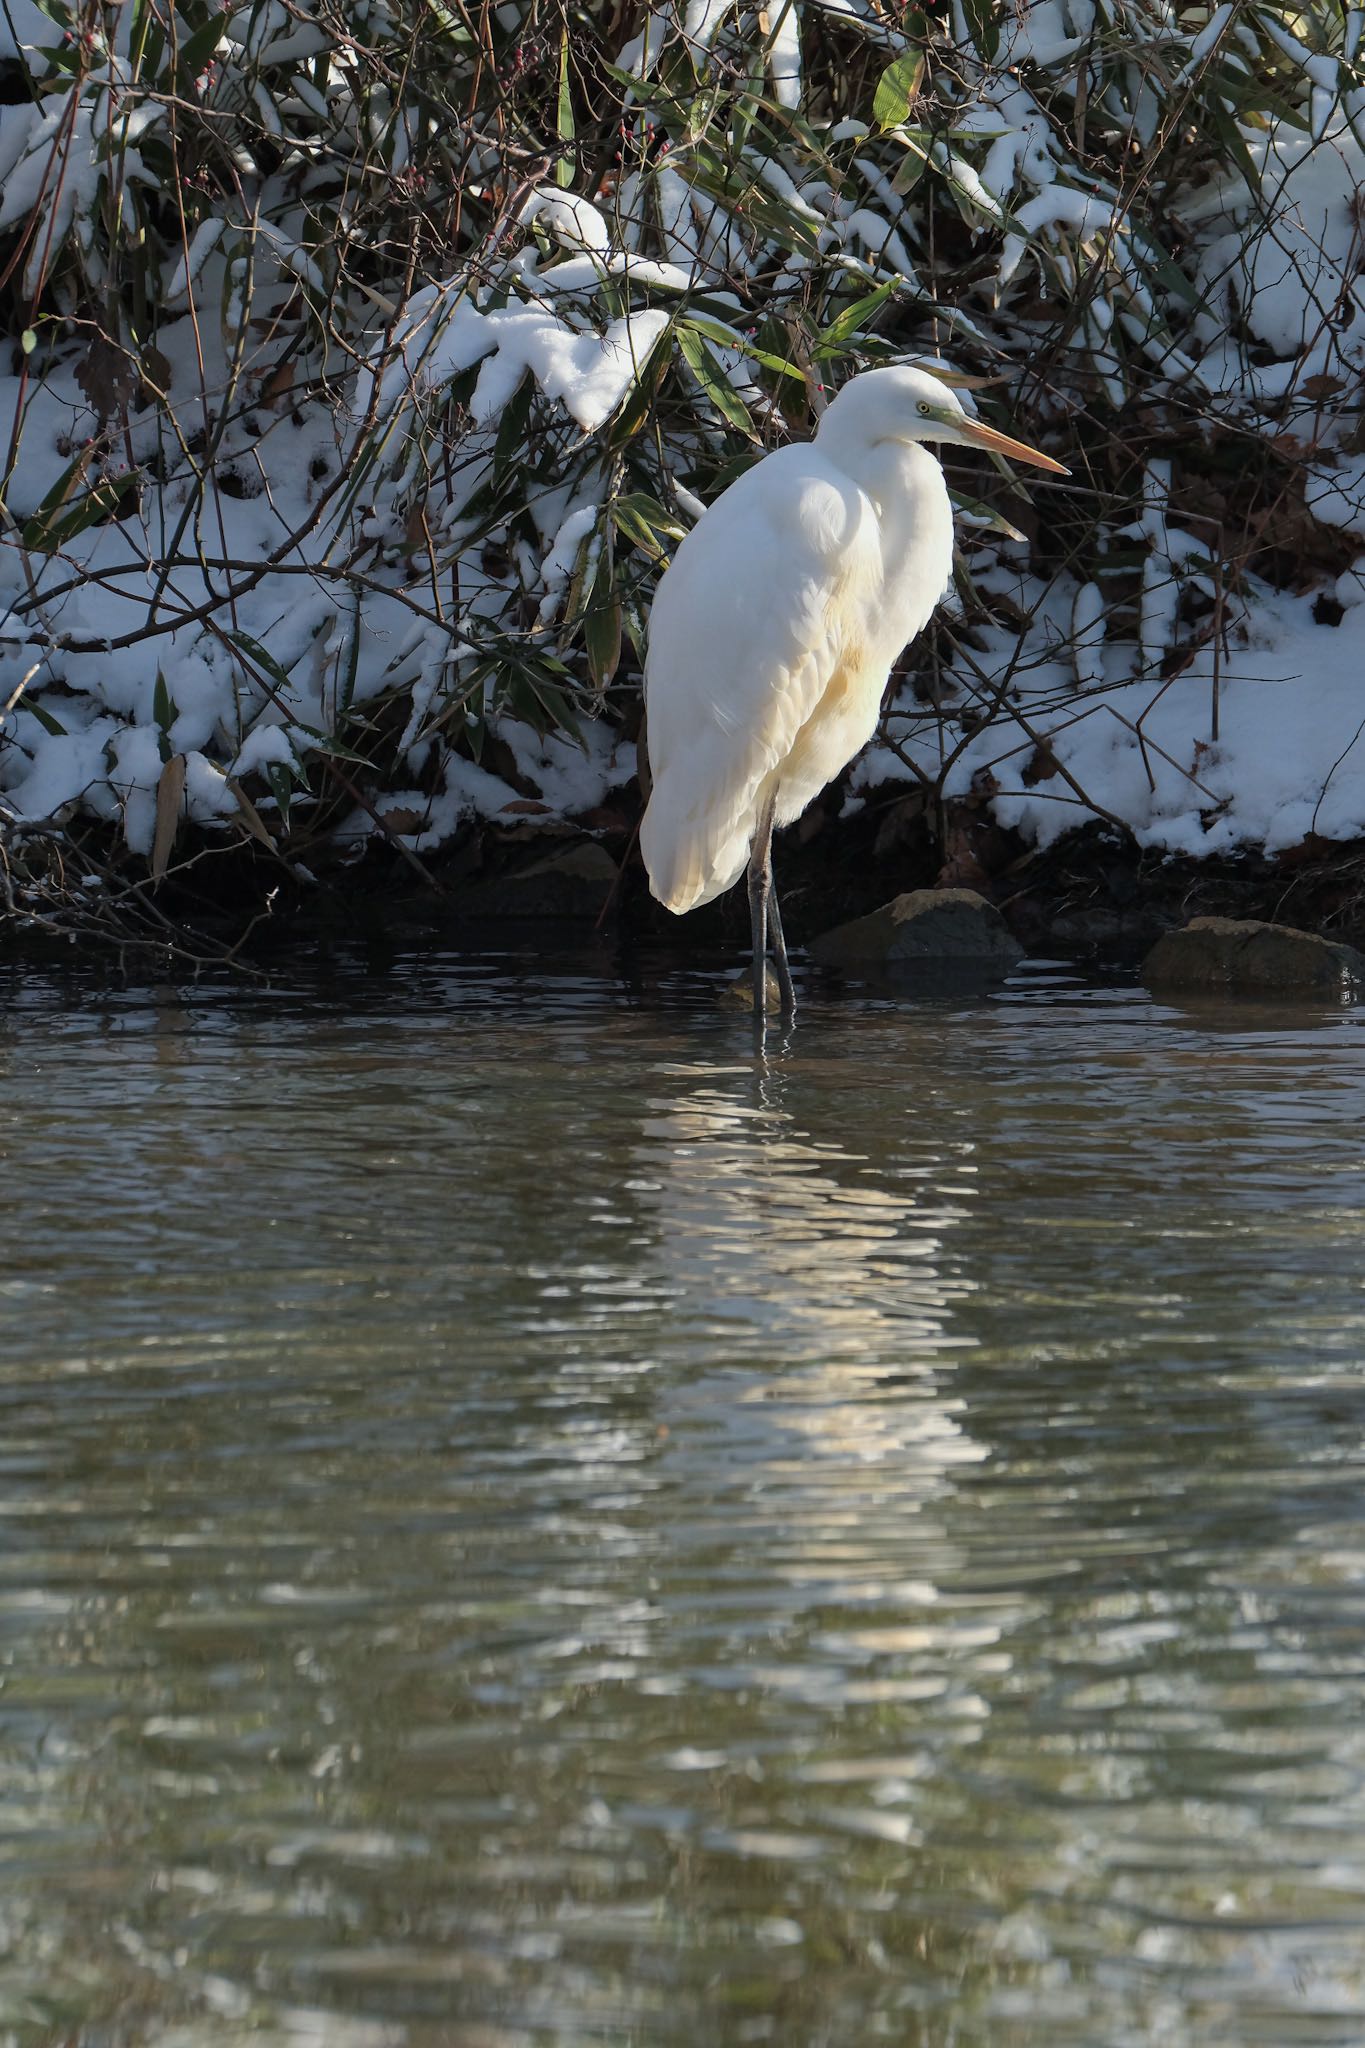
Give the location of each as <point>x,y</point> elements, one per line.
<point>831,1282</point>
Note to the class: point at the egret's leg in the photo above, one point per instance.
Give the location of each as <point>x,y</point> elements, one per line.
<point>784,973</point>
<point>764,914</point>
<point>760,893</point>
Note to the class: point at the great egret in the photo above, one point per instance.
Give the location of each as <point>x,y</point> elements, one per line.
<point>774,629</point>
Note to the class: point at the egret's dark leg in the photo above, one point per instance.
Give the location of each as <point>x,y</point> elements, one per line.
<point>763,911</point>
<point>784,973</point>
<point>760,889</point>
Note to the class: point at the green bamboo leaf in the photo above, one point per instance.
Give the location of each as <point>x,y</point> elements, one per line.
<point>717,331</point>
<point>164,715</point>
<point>564,127</point>
<point>713,380</point>
<point>985,515</point>
<point>556,712</point>
<point>510,446</point>
<point>983,28</point>
<point>261,657</point>
<point>602,625</point>
<point>281,783</point>
<point>196,50</point>
<point>163,707</point>
<point>833,337</point>
<point>637,529</point>
<point>642,506</point>
<point>897,88</point>
<point>53,525</point>
<point>37,709</point>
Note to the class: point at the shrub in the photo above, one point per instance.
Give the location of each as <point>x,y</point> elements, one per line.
<point>367,360</point>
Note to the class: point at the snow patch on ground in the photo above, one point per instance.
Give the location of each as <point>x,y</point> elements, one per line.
<point>1288,757</point>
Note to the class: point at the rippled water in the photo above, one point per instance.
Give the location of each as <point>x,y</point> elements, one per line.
<point>521,1522</point>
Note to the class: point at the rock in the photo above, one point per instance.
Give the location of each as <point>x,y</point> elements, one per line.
<point>938,927</point>
<point>1242,955</point>
<point>573,881</point>
<point>741,990</point>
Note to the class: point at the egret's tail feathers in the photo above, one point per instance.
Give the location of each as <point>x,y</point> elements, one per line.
<point>690,861</point>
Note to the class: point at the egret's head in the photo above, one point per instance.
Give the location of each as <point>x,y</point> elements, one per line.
<point>903,403</point>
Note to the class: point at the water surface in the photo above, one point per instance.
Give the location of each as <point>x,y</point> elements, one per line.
<point>524,1523</point>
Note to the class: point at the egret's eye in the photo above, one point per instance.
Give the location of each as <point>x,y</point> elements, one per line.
<point>925,407</point>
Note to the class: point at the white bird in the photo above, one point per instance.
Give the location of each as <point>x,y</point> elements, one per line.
<point>773,632</point>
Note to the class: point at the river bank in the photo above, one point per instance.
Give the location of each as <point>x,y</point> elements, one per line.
<point>1095,897</point>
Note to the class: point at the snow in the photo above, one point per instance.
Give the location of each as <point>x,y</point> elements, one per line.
<point>24,26</point>
<point>573,219</point>
<point>591,373</point>
<point>1289,758</point>
<point>1289,261</point>
<point>1336,496</point>
<point>784,53</point>
<point>444,334</point>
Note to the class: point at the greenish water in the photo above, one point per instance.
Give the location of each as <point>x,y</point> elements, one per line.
<point>523,1523</point>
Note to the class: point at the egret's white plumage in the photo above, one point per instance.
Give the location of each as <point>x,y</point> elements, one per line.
<point>774,629</point>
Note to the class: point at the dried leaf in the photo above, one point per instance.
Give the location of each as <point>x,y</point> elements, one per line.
<point>1041,766</point>
<point>277,388</point>
<point>251,817</point>
<point>157,373</point>
<point>108,376</point>
<point>170,796</point>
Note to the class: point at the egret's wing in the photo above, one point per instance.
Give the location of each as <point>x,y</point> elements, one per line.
<point>748,626</point>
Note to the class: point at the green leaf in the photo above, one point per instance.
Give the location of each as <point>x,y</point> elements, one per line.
<point>642,519</point>
<point>195,51</point>
<point>857,315</point>
<point>328,743</point>
<point>564,127</point>
<point>602,625</point>
<point>739,190</point>
<point>1171,278</point>
<point>163,708</point>
<point>28,341</point>
<point>896,89</point>
<point>638,530</point>
<point>713,380</point>
<point>637,410</point>
<point>717,331</point>
<point>510,446</point>
<point>261,657</point>
<point>281,783</point>
<point>549,708</point>
<point>983,28</point>
<point>985,516</point>
<point>55,523</point>
<point>164,715</point>
<point>52,726</point>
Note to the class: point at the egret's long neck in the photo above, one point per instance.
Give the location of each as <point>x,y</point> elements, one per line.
<point>891,472</point>
<point>914,523</point>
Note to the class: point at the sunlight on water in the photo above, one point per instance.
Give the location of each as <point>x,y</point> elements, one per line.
<point>521,1522</point>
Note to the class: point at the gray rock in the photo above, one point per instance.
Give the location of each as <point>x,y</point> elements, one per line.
<point>939,927</point>
<point>573,881</point>
<point>1242,954</point>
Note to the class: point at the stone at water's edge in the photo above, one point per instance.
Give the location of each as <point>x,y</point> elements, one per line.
<point>929,925</point>
<point>1230,953</point>
<point>573,881</point>
<point>741,990</point>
